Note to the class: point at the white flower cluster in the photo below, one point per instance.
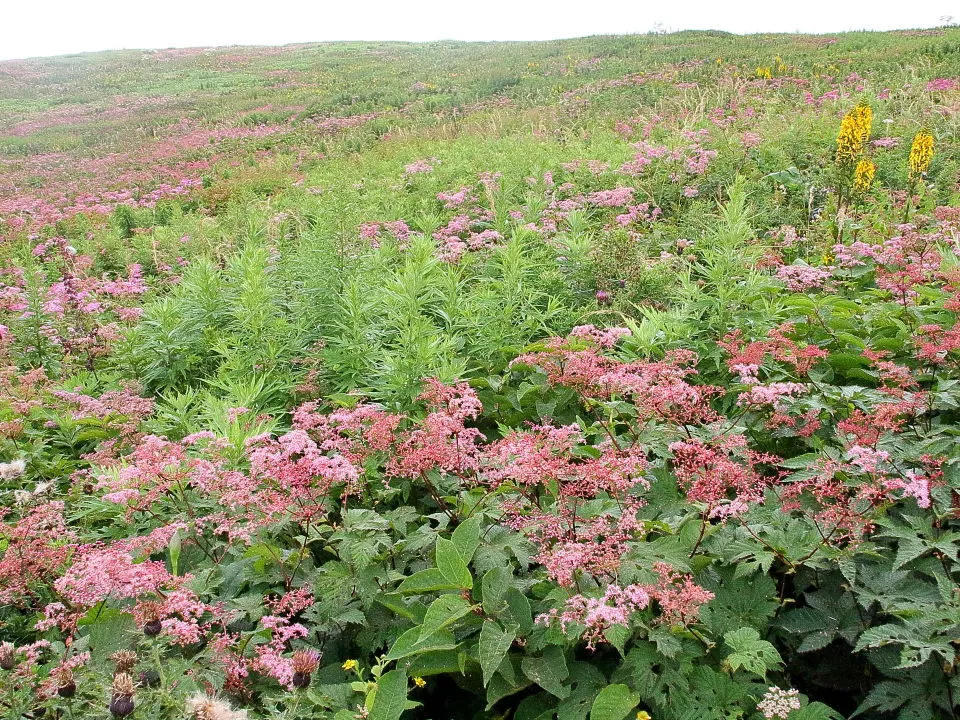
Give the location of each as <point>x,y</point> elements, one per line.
<point>779,703</point>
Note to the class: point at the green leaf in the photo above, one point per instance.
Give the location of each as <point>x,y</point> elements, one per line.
<point>410,643</point>
<point>548,671</point>
<point>467,538</point>
<point>494,644</point>
<point>518,610</point>
<point>451,564</point>
<point>801,462</point>
<point>415,611</point>
<point>614,703</point>
<point>391,696</point>
<point>750,652</point>
<point>443,612</point>
<point>494,586</point>
<point>431,580</point>
<point>500,687</point>
<point>436,662</point>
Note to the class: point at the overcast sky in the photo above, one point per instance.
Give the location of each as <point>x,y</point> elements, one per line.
<point>54,27</point>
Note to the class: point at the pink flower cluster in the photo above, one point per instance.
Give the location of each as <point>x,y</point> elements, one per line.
<point>599,614</point>
<point>773,394</point>
<point>677,596</point>
<point>942,85</point>
<point>604,338</point>
<point>723,475</point>
<point>801,278</point>
<point>418,167</point>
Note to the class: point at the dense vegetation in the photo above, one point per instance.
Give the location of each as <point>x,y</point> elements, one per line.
<point>613,377</point>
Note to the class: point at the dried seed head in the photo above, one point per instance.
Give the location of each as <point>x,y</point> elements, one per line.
<point>125,660</point>
<point>12,470</point>
<point>204,707</point>
<point>7,656</point>
<point>123,684</point>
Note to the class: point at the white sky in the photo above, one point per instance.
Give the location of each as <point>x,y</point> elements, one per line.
<point>53,27</point>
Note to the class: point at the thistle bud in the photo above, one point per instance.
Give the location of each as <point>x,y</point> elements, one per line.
<point>305,663</point>
<point>7,653</point>
<point>121,704</point>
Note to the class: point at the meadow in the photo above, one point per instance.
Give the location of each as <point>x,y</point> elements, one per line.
<point>607,378</point>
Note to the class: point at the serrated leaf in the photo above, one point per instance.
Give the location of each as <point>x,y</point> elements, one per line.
<point>614,702</point>
<point>494,644</point>
<point>750,653</point>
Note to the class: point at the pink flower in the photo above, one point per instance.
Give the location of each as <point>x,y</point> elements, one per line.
<point>800,278</point>
<point>942,85</point>
<point>418,167</point>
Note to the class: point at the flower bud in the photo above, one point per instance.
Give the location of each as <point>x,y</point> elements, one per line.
<point>121,706</point>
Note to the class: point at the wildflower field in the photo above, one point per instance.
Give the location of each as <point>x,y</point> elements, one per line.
<point>606,378</point>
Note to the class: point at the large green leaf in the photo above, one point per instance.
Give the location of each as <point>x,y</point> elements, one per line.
<point>548,671</point>
<point>613,703</point>
<point>494,644</point>
<point>452,565</point>
<point>391,696</point>
<point>443,612</point>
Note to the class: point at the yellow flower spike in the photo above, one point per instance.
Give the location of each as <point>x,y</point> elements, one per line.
<point>763,73</point>
<point>350,665</point>
<point>826,258</point>
<point>863,176</point>
<point>419,682</point>
<point>921,154</point>
<point>854,133</point>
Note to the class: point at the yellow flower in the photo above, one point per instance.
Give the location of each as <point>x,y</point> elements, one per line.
<point>826,258</point>
<point>349,665</point>
<point>644,715</point>
<point>863,176</point>
<point>921,153</point>
<point>763,73</point>
<point>854,133</point>
<point>419,681</point>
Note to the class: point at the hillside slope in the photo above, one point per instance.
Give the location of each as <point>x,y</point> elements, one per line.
<point>609,377</point>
